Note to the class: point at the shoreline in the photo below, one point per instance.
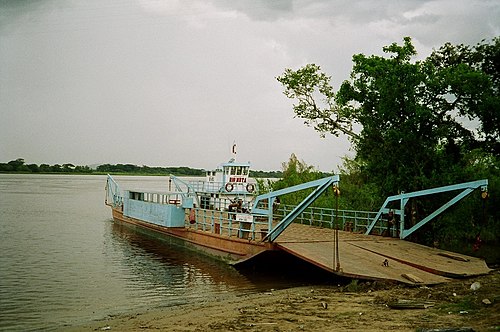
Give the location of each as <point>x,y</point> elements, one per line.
<point>357,306</point>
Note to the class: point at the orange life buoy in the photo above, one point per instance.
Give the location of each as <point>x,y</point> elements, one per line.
<point>229,187</point>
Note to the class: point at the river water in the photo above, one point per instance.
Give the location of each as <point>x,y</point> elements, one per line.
<point>63,261</point>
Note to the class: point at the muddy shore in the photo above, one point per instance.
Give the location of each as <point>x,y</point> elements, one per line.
<point>359,306</point>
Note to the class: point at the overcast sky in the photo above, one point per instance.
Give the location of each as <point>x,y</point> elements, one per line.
<point>174,83</point>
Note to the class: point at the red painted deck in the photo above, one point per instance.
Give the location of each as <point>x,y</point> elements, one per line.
<point>363,256</point>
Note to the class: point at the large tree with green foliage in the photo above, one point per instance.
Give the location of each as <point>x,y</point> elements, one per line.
<point>413,117</point>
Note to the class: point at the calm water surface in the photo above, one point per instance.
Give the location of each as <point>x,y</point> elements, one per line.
<point>64,262</point>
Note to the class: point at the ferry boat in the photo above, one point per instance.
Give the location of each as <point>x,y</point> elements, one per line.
<point>220,215</point>
<point>225,216</point>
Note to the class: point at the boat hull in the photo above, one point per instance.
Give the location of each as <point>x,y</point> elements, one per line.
<point>229,249</point>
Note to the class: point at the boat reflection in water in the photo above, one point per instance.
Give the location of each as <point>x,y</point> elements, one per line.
<point>166,268</point>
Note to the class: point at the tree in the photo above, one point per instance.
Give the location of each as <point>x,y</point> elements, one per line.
<point>306,85</point>
<point>6,167</point>
<point>411,136</point>
<point>357,192</point>
<point>56,168</point>
<point>16,164</point>
<point>473,74</point>
<point>45,168</point>
<point>397,141</point>
<point>295,171</point>
<point>34,168</point>
<point>83,169</point>
<point>68,167</point>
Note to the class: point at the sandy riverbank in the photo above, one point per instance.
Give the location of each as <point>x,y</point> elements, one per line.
<point>356,307</point>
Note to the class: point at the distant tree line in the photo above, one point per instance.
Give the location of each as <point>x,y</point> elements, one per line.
<point>20,166</point>
<point>147,170</point>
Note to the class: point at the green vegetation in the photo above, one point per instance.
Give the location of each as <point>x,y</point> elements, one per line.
<point>413,125</point>
<point>266,174</point>
<point>465,303</point>
<point>296,171</point>
<point>146,170</point>
<point>19,166</point>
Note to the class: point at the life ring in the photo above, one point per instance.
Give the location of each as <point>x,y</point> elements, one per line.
<point>250,188</point>
<point>229,187</point>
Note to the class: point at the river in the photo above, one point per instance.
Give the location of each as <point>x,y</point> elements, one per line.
<point>64,262</point>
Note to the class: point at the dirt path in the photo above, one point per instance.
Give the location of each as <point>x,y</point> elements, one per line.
<point>356,307</point>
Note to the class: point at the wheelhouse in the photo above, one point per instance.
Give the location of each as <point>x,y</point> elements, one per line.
<point>230,174</point>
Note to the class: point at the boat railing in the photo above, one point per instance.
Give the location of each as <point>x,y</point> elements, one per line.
<point>113,193</point>
<point>348,220</point>
<point>233,224</point>
<point>227,223</point>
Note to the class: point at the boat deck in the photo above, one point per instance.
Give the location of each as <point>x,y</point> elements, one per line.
<point>363,256</point>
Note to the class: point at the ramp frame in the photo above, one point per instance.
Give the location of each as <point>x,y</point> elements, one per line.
<point>270,198</point>
<point>403,199</point>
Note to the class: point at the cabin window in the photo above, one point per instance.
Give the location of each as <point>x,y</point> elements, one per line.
<point>137,196</point>
<point>205,202</point>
